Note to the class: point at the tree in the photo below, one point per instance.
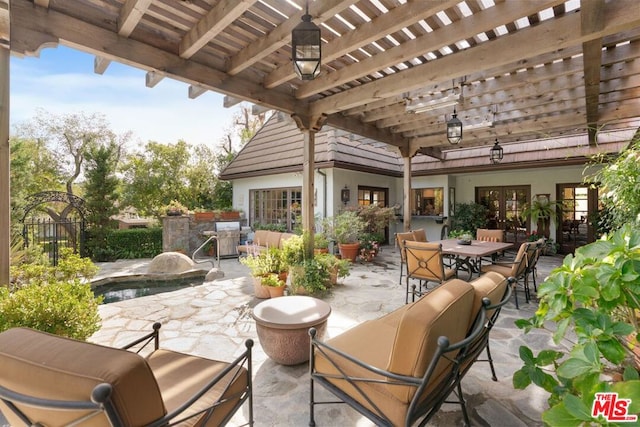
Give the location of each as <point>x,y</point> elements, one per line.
<point>201,178</point>
<point>156,176</point>
<point>100,194</point>
<point>33,170</point>
<point>68,138</point>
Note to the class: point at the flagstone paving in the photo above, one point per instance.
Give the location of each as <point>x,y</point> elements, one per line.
<point>214,319</point>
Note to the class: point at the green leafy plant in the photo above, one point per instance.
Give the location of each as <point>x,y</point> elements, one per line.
<point>272,280</point>
<point>469,217</point>
<point>542,212</point>
<point>270,260</point>
<point>334,265</point>
<point>312,276</point>
<point>57,300</point>
<point>617,181</point>
<point>595,295</point>
<point>346,227</point>
<point>320,241</point>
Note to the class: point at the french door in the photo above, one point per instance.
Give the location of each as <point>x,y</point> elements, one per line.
<point>505,205</point>
<point>574,229</point>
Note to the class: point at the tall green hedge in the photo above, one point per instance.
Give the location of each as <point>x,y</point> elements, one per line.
<point>130,244</point>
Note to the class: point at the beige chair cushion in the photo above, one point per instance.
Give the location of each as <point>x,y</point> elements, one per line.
<point>400,239</point>
<point>491,285</point>
<point>445,311</point>
<point>420,235</point>
<point>272,240</point>
<point>52,367</point>
<point>489,235</point>
<point>515,269</point>
<point>180,375</point>
<point>424,262</point>
<point>260,237</point>
<point>402,342</point>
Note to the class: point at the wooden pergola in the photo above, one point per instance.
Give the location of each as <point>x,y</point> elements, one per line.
<point>392,70</point>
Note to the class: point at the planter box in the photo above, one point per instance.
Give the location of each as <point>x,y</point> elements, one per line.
<point>229,215</point>
<point>204,216</point>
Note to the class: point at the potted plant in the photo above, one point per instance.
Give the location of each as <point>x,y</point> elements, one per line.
<point>320,243</point>
<point>469,217</point>
<point>175,208</point>
<point>542,212</point>
<point>593,300</point>
<point>274,284</point>
<point>346,228</point>
<point>337,267</point>
<point>309,278</point>
<point>264,263</point>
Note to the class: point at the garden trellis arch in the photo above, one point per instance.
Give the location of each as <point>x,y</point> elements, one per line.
<point>67,228</point>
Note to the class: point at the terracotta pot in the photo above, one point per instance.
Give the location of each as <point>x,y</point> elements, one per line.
<point>349,251</point>
<point>276,291</point>
<point>259,290</point>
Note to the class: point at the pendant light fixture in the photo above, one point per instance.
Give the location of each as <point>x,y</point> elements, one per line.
<point>306,49</point>
<point>496,153</point>
<point>454,129</point>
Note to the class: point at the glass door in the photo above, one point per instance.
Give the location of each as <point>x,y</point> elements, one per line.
<point>504,205</point>
<point>574,228</point>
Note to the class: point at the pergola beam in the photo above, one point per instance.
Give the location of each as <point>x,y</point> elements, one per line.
<point>548,35</point>
<point>591,15</point>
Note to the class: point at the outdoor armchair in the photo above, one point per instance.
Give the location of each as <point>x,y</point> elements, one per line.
<point>516,268</point>
<point>399,369</point>
<point>50,380</point>
<point>400,239</point>
<point>425,262</point>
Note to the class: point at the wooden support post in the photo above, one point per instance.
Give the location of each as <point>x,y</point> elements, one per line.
<point>5,161</point>
<point>308,126</point>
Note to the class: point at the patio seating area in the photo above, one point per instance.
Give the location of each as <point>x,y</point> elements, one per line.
<point>214,320</point>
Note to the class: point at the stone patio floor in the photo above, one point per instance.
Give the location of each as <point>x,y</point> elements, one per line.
<point>214,319</point>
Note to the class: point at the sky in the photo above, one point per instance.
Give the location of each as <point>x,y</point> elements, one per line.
<point>61,81</point>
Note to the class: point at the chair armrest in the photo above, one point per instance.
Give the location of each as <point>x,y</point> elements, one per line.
<point>326,349</point>
<point>146,339</point>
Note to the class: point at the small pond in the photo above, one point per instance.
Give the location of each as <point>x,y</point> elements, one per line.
<point>123,290</point>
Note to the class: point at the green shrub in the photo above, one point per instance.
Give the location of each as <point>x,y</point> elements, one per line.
<point>52,299</point>
<point>133,243</point>
<point>68,309</point>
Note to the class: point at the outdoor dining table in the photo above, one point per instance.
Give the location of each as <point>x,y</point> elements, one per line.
<point>468,257</point>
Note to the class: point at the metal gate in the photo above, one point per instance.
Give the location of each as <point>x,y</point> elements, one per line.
<point>67,231</point>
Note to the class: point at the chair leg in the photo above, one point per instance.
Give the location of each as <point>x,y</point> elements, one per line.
<point>515,293</point>
<point>534,273</point>
<point>400,281</point>
<point>490,360</point>
<point>463,405</point>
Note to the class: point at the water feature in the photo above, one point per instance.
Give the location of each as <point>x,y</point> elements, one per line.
<point>124,290</point>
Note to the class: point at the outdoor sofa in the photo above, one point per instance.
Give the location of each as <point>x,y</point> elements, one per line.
<point>262,240</point>
<point>399,369</point>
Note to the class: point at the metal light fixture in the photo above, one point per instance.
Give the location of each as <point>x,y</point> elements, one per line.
<point>496,153</point>
<point>454,129</point>
<point>345,195</point>
<point>306,49</point>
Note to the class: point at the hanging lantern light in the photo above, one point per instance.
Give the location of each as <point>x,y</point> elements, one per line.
<point>306,50</point>
<point>496,153</point>
<point>454,129</point>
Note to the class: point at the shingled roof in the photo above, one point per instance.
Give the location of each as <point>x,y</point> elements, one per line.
<point>277,148</point>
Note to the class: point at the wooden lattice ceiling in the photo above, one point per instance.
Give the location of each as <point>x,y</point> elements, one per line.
<point>535,68</point>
